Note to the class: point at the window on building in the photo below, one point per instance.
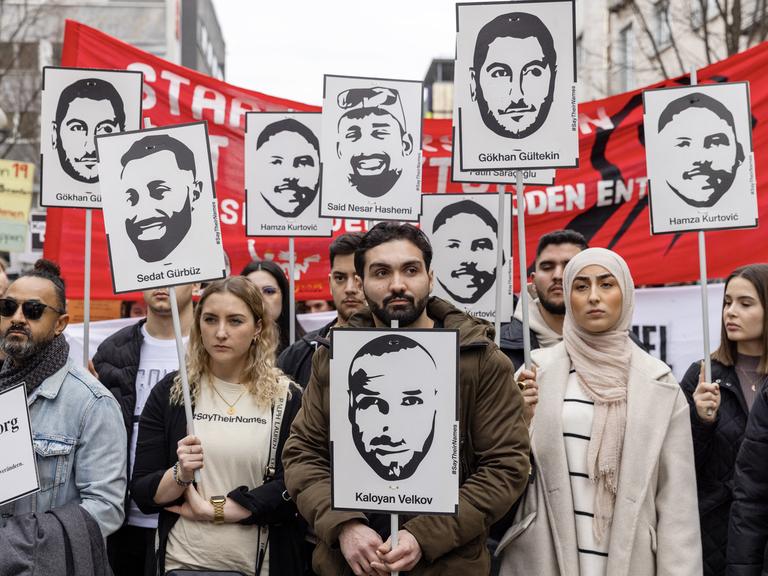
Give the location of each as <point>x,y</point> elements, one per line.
<point>29,125</point>
<point>661,33</point>
<point>625,60</point>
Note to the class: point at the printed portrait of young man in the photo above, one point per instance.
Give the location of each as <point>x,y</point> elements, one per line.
<point>86,108</point>
<point>393,404</point>
<point>373,142</point>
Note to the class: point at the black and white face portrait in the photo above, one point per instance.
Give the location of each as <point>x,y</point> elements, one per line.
<point>87,108</point>
<point>464,242</point>
<point>463,230</point>
<point>699,154</point>
<point>160,186</point>
<point>392,416</point>
<point>698,135</point>
<point>393,419</point>
<point>288,161</point>
<point>282,174</point>
<point>161,216</point>
<point>78,106</point>
<point>513,74</point>
<point>373,138</point>
<point>515,85</point>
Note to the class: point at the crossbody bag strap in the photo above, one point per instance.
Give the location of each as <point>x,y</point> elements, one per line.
<point>278,410</point>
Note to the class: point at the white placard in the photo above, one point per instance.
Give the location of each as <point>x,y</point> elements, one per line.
<point>515,85</point>
<point>282,175</point>
<point>698,150</point>
<point>161,216</point>
<point>462,229</point>
<point>78,104</point>
<point>18,464</point>
<point>531,176</point>
<point>394,420</point>
<point>371,149</point>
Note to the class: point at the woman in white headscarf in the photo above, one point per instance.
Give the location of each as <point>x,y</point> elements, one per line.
<point>613,485</point>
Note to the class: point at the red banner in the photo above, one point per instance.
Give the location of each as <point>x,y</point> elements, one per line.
<point>605,198</point>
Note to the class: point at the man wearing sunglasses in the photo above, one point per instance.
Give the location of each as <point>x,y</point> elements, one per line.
<point>77,427</point>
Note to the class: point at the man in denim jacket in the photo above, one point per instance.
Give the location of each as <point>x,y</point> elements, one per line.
<point>77,426</point>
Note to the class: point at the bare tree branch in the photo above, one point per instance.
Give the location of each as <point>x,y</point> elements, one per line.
<point>656,53</point>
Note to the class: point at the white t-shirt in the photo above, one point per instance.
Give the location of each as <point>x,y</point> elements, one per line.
<point>158,357</point>
<point>236,452</point>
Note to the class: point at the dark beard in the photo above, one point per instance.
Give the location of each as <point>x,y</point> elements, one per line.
<point>495,126</point>
<point>69,168</point>
<point>482,281</point>
<point>405,316</point>
<point>374,186</point>
<point>176,228</point>
<point>21,351</point>
<point>551,307</point>
<point>390,472</point>
<point>304,197</point>
<point>719,181</point>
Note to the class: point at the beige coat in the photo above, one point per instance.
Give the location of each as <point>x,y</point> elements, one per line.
<point>655,529</point>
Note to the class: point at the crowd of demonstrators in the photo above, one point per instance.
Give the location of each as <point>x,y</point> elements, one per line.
<point>271,280</point>
<point>628,472</point>
<point>720,410</point>
<point>614,475</point>
<point>347,293</point>
<point>129,363</point>
<point>76,423</point>
<point>393,262</point>
<point>239,516</point>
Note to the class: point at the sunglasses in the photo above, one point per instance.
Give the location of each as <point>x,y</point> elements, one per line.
<point>32,309</point>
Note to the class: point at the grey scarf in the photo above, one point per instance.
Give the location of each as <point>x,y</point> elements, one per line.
<point>37,368</point>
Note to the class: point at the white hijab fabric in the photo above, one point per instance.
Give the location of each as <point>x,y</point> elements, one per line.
<point>601,361</point>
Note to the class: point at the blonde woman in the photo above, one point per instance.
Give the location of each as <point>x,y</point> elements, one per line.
<point>239,518</point>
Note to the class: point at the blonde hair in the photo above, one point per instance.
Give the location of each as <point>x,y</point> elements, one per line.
<point>261,377</point>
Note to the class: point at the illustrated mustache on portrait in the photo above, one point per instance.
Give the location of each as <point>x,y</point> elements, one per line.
<point>371,174</point>
<point>153,246</point>
<point>715,178</point>
<point>518,107</point>
<point>479,277</point>
<point>302,196</point>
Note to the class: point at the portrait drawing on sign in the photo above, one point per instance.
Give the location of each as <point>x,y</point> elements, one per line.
<point>373,142</point>
<point>86,108</point>
<point>464,234</point>
<point>698,137</point>
<point>393,404</point>
<point>512,78</point>
<point>288,165</point>
<point>160,186</point>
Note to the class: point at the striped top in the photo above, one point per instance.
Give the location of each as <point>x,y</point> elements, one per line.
<point>578,411</point>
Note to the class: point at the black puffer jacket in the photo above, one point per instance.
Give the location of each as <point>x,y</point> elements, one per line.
<point>296,360</point>
<point>715,447</point>
<point>117,363</point>
<point>748,528</point>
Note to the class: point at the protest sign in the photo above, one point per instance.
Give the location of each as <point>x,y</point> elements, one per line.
<point>463,231</point>
<point>701,168</point>
<point>79,104</point>
<point>16,185</point>
<point>282,175</point>
<point>515,85</point>
<point>371,149</point>
<point>161,216</point>
<point>18,465</point>
<point>394,420</point>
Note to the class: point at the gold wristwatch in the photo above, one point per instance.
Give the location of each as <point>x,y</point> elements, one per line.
<point>218,508</point>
